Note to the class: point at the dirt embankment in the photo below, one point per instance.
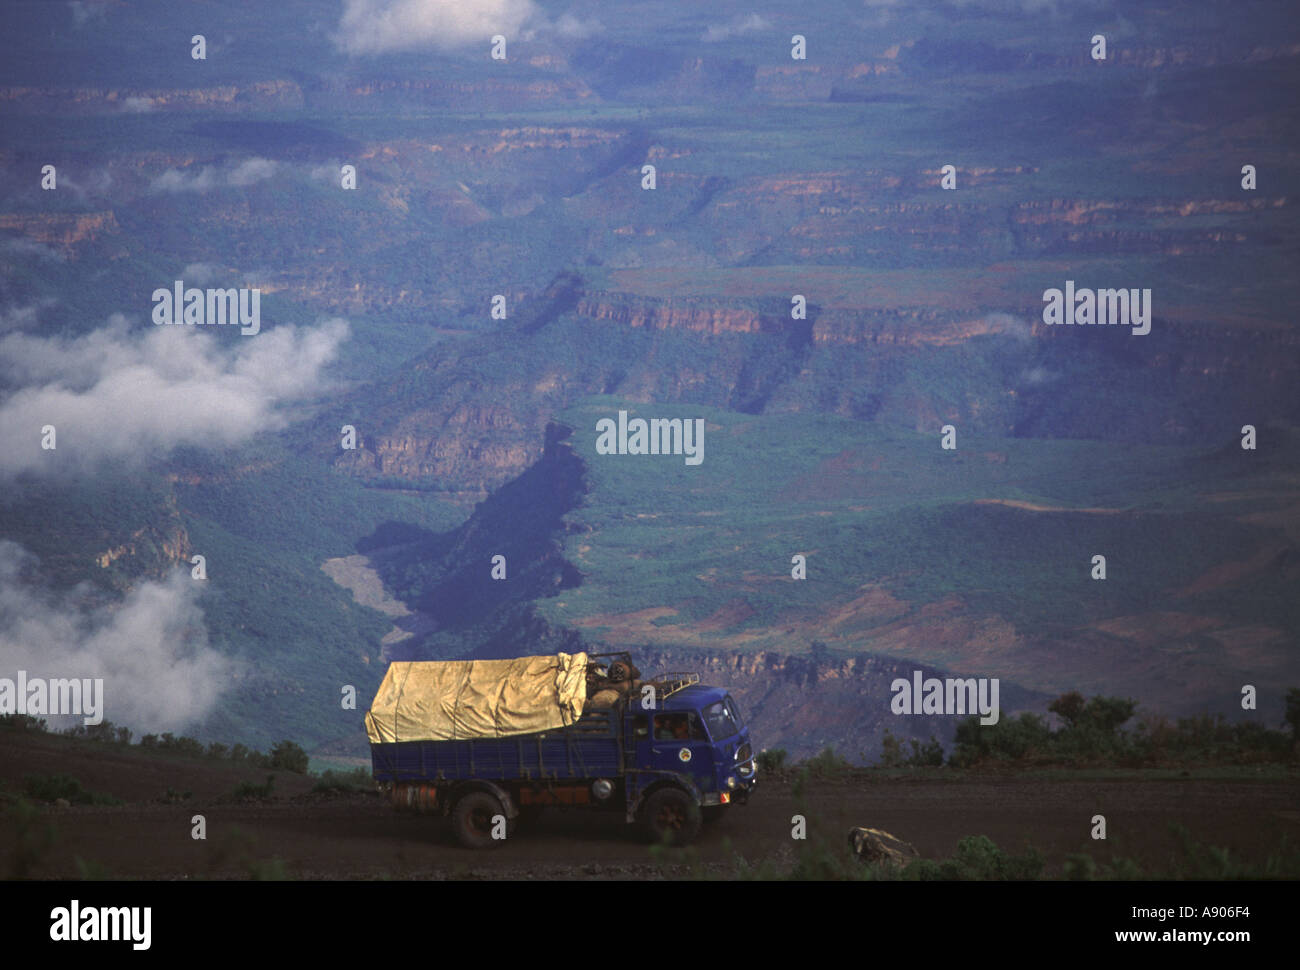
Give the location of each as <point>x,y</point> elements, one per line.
<point>303,835</point>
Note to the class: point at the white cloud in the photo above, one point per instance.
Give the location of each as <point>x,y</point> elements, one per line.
<point>252,170</point>
<point>570,26</point>
<point>329,172</point>
<point>200,274</point>
<point>174,180</point>
<point>137,106</point>
<point>247,172</point>
<point>379,26</point>
<point>119,393</point>
<point>1053,7</point>
<point>84,12</point>
<point>1036,376</point>
<point>99,182</point>
<point>737,26</point>
<point>23,317</point>
<point>29,247</point>
<point>151,649</point>
<point>1005,323</point>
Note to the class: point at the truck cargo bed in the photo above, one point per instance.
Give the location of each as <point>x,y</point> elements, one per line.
<point>589,748</point>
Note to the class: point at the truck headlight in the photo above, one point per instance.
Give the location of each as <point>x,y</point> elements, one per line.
<point>731,782</point>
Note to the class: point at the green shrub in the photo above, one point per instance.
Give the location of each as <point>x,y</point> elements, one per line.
<point>1093,732</point>
<point>1010,739</point>
<point>105,732</point>
<point>287,756</point>
<point>185,746</point>
<point>1195,861</point>
<point>51,788</point>
<point>248,789</point>
<point>978,859</point>
<point>771,761</point>
<point>892,755</point>
<point>34,836</point>
<point>356,780</point>
<point>825,764</point>
<point>22,722</point>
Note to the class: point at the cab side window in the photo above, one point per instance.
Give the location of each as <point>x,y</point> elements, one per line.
<point>679,726</point>
<point>672,727</point>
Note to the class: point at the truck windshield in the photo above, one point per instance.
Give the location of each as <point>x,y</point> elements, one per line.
<point>722,718</point>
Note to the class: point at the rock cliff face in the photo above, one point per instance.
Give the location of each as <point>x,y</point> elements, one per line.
<point>63,231</point>
<point>826,218</point>
<point>286,94</point>
<point>805,703</point>
<point>153,547</point>
<point>471,437</point>
<point>1183,55</point>
<point>149,552</point>
<point>256,95</point>
<point>691,316</point>
<point>505,92</point>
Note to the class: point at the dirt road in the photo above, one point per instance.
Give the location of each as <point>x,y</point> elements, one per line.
<point>360,837</point>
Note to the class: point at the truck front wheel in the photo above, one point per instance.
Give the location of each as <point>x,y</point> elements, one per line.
<point>670,815</point>
<point>480,821</point>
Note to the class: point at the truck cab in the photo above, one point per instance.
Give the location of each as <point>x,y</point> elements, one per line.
<point>695,734</point>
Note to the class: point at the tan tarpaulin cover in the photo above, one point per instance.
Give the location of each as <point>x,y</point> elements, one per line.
<point>458,699</point>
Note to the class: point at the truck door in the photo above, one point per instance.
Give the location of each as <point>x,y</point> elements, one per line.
<point>678,742</point>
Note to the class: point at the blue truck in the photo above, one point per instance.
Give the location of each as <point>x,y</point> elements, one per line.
<point>670,754</point>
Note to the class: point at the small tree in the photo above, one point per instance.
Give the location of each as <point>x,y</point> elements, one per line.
<point>288,756</point>
<point>1068,707</point>
<point>891,750</point>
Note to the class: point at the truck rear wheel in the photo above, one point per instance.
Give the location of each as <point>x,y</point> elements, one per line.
<point>475,818</point>
<point>671,815</point>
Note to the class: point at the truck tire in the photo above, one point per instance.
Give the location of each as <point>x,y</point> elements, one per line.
<point>671,815</point>
<point>472,819</point>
